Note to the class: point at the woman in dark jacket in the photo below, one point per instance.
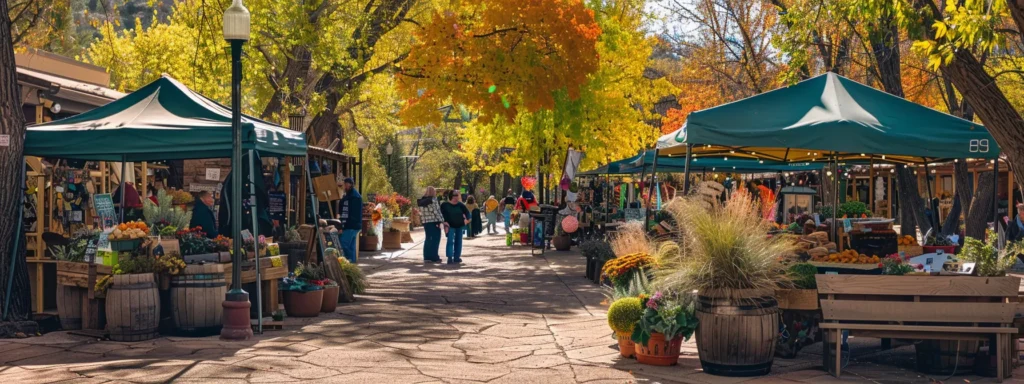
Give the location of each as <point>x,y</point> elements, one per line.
<point>476,225</point>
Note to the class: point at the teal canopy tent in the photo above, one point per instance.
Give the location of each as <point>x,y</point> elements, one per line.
<point>714,163</point>
<point>162,121</point>
<point>165,120</point>
<point>829,115</point>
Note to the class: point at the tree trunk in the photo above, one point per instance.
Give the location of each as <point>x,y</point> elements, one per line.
<point>952,222</point>
<point>981,207</point>
<point>990,104</point>
<point>12,124</point>
<point>964,187</point>
<point>910,203</point>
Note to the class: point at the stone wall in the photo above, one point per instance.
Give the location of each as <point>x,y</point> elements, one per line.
<point>194,174</point>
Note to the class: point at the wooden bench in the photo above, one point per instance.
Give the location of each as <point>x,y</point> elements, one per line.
<point>917,307</point>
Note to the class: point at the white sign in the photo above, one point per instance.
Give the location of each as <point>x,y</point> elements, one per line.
<point>203,187</point>
<point>213,174</point>
<point>5,140</point>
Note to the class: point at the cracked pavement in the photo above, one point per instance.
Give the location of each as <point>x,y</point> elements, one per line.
<point>503,316</point>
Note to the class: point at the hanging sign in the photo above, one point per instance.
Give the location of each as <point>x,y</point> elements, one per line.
<point>213,174</point>
<point>275,204</point>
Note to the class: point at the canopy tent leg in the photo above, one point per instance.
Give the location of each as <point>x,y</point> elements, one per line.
<point>650,190</point>
<point>255,242</point>
<point>608,199</point>
<point>686,170</point>
<point>316,209</point>
<point>995,196</point>
<point>835,197</point>
<point>931,206</point>
<point>124,170</point>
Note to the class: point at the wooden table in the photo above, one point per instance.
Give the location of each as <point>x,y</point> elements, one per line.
<point>269,278</point>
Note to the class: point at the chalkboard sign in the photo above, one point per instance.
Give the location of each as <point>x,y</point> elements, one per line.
<point>275,204</point>
<point>335,240</point>
<point>104,205</point>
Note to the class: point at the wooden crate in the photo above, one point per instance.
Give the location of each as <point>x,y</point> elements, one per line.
<point>798,299</point>
<point>77,274</point>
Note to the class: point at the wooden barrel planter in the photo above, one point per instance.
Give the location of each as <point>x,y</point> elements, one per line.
<point>133,307</point>
<point>737,332</point>
<point>69,306</point>
<point>196,299</point>
<point>942,357</point>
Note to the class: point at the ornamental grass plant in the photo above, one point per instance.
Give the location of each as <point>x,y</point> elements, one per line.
<point>722,248</point>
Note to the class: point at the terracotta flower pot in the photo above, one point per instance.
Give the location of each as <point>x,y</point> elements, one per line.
<point>303,304</point>
<point>627,348</point>
<point>330,301</point>
<point>659,351</point>
<point>524,238</point>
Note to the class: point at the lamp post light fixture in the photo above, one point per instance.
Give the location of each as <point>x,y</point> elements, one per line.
<point>362,144</point>
<point>390,149</point>
<point>236,303</point>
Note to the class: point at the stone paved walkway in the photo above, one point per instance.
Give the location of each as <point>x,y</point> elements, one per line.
<point>503,317</point>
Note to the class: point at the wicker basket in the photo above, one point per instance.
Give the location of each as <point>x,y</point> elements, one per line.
<point>911,250</point>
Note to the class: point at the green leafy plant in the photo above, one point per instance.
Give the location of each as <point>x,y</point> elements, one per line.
<point>168,231</point>
<point>639,284</point>
<point>64,253</point>
<point>136,264</point>
<point>721,247</point>
<point>355,277</point>
<point>672,317</point>
<point>826,212</point>
<point>802,275</point>
<point>310,271</point>
<point>292,235</point>
<point>852,209</point>
<point>597,249</point>
<point>988,260</point>
<point>164,213</point>
<point>624,313</point>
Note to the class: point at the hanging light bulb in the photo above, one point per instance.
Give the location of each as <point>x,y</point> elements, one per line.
<point>725,158</point>
<point>828,173</point>
<point>760,161</point>
<point>956,160</point>
<point>862,155</point>
<point>892,170</point>
<point>732,151</point>
<point>883,157</point>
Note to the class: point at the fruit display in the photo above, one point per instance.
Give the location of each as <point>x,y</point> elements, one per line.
<point>129,231</point>
<point>848,256</point>
<point>907,240</point>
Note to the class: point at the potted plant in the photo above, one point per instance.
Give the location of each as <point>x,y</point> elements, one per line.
<point>597,252</point>
<point>369,240</point>
<point>261,242</point>
<point>622,270</point>
<point>182,199</point>
<point>665,323</point>
<point>933,244</point>
<point>561,240</point>
<point>723,253</point>
<point>392,238</point>
<point>331,292</point>
<point>303,297</point>
<point>623,315</point>
<point>803,295</point>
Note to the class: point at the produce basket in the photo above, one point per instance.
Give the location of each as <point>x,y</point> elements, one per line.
<point>125,245</point>
<point>911,250</point>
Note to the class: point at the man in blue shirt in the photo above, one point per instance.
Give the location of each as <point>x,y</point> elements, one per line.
<point>351,219</point>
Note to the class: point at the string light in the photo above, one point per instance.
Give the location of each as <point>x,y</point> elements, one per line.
<point>883,157</point>
<point>892,170</point>
<point>732,151</point>
<point>760,161</point>
<point>828,173</point>
<point>725,158</point>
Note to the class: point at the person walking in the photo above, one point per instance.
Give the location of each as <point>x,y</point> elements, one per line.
<point>351,219</point>
<point>430,212</point>
<point>456,217</point>
<point>475,226</point>
<point>509,202</point>
<point>491,211</point>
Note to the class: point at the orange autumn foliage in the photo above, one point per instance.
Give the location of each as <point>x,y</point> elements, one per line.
<point>497,57</point>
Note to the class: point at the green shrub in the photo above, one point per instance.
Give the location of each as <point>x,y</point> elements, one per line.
<point>802,275</point>
<point>624,314</point>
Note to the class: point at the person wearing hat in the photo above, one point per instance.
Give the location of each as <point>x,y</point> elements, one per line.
<point>1015,228</point>
<point>351,219</point>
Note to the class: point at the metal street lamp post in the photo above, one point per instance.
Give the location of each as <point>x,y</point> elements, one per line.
<point>362,144</point>
<point>236,304</point>
<point>390,149</point>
